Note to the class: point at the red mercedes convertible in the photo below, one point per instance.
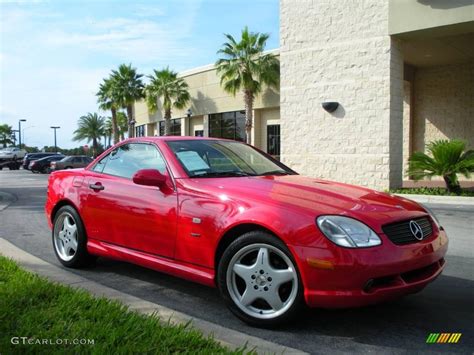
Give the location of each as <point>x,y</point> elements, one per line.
<point>224,214</point>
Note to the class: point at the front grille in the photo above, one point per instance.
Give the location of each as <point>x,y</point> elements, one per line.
<point>400,233</point>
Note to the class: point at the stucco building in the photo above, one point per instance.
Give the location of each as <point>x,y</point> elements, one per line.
<point>402,72</point>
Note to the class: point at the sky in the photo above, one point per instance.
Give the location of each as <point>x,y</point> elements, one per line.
<point>54,54</point>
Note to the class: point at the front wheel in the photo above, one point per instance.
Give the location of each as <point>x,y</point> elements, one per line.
<point>69,238</point>
<point>259,281</point>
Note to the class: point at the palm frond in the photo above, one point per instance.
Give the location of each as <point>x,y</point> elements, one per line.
<point>446,158</point>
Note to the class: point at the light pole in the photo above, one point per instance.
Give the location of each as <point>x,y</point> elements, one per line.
<point>55,142</point>
<point>19,131</point>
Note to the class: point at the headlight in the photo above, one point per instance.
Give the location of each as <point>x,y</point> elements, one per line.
<point>433,216</point>
<point>348,232</point>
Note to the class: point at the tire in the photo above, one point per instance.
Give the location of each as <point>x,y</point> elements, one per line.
<point>273,284</point>
<point>69,239</point>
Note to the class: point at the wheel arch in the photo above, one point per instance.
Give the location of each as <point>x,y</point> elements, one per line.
<point>61,203</point>
<point>235,232</point>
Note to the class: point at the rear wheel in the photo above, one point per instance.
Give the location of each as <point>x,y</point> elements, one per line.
<point>259,281</point>
<point>69,238</point>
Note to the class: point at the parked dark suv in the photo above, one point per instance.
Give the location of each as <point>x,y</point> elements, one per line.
<point>34,156</point>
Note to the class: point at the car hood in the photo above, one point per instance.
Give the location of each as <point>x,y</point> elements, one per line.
<point>311,195</point>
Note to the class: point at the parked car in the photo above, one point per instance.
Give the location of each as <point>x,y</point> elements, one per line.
<point>34,156</point>
<point>223,214</point>
<point>71,162</point>
<point>43,165</point>
<point>11,153</point>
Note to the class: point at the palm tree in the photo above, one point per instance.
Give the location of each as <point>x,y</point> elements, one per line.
<point>122,124</point>
<point>448,159</point>
<point>6,133</point>
<point>108,131</point>
<point>244,67</point>
<point>166,85</point>
<point>129,87</point>
<point>107,99</point>
<point>91,127</point>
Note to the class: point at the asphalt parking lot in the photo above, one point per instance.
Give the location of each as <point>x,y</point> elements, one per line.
<point>402,326</point>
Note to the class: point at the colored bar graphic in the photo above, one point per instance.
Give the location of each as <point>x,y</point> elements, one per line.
<point>432,338</point>
<point>443,338</point>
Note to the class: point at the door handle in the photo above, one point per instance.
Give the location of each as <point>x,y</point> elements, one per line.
<point>96,187</point>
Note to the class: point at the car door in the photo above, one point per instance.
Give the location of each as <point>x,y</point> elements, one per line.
<point>120,212</point>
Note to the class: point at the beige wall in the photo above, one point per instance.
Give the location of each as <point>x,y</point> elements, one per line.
<point>414,15</point>
<point>195,124</point>
<point>444,105</point>
<point>207,96</point>
<point>267,117</point>
<point>340,51</point>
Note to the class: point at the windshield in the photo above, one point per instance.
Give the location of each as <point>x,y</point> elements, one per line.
<point>214,158</point>
<point>7,149</point>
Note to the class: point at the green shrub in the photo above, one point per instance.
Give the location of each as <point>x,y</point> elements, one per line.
<point>447,159</point>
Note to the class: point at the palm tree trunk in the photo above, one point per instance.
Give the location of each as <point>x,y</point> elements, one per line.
<point>131,122</point>
<point>94,147</point>
<point>248,100</point>
<point>452,185</point>
<point>167,122</point>
<point>115,130</point>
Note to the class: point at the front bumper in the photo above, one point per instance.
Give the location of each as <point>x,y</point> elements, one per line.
<point>338,277</point>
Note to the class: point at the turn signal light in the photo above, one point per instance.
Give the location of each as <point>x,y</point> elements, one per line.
<point>320,264</point>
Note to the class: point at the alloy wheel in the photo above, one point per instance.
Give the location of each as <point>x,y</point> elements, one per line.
<point>262,281</point>
<point>65,236</point>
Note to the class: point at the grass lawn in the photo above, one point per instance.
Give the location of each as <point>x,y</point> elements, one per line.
<point>438,191</point>
<point>41,311</point>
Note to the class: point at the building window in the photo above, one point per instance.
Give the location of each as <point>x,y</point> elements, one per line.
<point>273,140</point>
<point>230,125</point>
<point>199,133</point>
<point>175,129</point>
<point>140,131</point>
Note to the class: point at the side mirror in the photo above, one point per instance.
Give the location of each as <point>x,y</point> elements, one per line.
<point>149,177</point>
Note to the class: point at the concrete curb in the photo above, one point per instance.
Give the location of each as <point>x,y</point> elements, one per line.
<point>227,337</point>
<point>6,199</point>
<point>447,200</point>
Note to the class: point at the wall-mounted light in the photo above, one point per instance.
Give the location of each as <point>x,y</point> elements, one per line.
<point>189,113</point>
<point>330,106</point>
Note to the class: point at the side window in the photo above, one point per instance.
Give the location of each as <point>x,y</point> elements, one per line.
<point>99,166</point>
<point>127,159</point>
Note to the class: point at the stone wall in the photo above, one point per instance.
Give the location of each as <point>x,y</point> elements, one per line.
<point>443,105</point>
<point>340,51</point>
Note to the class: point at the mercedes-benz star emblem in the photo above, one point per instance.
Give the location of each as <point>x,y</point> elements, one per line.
<point>416,230</point>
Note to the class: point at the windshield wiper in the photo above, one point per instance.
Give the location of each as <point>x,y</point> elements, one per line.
<point>274,172</point>
<point>223,174</point>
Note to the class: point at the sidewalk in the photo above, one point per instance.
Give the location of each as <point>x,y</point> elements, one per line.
<point>448,200</point>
